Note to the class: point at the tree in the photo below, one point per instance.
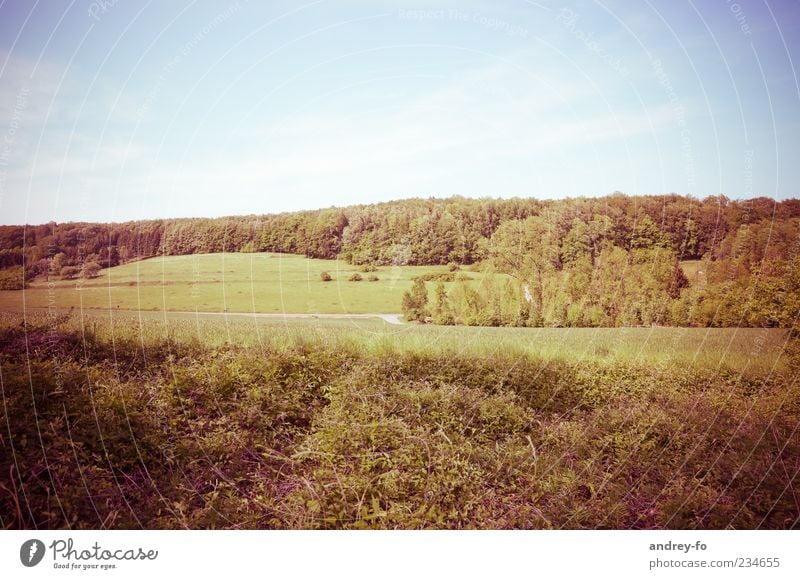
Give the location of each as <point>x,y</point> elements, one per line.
<point>576,243</point>
<point>12,278</point>
<point>443,314</point>
<point>677,282</point>
<point>90,270</point>
<point>647,235</point>
<point>415,302</point>
<point>70,272</point>
<point>57,263</point>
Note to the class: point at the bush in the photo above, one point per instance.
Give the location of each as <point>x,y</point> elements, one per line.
<point>325,276</point>
<point>356,277</point>
<point>70,272</point>
<point>90,270</point>
<point>367,267</point>
<point>415,302</point>
<point>373,278</point>
<point>443,276</point>
<point>12,279</point>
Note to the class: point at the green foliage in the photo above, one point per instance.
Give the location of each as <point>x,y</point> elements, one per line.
<point>90,270</point>
<point>647,235</point>
<point>58,261</point>
<point>325,276</point>
<point>415,302</point>
<point>427,231</point>
<point>70,272</point>
<point>12,278</point>
<point>355,277</point>
<point>678,282</point>
<point>441,276</point>
<point>443,312</point>
<point>589,277</point>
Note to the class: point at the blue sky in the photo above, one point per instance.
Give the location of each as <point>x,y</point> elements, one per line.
<point>111,111</point>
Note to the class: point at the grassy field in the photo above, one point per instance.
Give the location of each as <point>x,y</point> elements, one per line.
<point>160,421</point>
<point>234,282</point>
<point>751,350</point>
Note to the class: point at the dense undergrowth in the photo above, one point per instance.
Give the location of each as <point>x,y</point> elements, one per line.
<point>168,433</point>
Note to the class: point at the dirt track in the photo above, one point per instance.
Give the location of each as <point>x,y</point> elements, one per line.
<point>388,318</point>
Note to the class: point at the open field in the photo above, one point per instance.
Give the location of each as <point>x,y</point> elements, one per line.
<point>234,282</point>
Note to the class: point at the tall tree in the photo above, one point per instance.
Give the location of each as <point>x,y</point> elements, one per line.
<point>415,302</point>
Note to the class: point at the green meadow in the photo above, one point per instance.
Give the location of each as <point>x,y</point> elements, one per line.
<point>234,282</point>
<point>754,351</point>
<point>126,420</point>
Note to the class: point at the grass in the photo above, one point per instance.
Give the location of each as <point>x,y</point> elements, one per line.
<point>755,351</point>
<point>691,269</point>
<point>234,282</point>
<point>176,422</point>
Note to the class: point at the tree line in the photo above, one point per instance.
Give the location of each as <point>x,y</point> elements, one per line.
<point>411,231</point>
<point>543,271</point>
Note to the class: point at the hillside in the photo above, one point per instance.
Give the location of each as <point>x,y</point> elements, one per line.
<point>609,261</point>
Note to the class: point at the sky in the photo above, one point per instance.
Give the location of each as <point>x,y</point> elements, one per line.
<point>114,110</point>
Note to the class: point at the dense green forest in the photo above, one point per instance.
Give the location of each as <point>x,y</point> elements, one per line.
<point>605,261</point>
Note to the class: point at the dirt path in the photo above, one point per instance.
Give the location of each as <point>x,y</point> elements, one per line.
<point>396,319</point>
<point>389,318</point>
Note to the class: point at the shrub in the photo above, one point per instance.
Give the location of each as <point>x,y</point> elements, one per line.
<point>443,276</point>
<point>373,278</point>
<point>325,276</point>
<point>90,270</point>
<point>415,302</point>
<point>367,267</point>
<point>12,279</point>
<point>356,277</point>
<point>70,272</point>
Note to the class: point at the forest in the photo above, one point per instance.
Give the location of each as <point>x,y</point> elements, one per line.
<point>610,261</point>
